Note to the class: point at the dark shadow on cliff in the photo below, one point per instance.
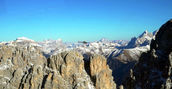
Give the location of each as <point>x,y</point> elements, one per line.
<point>120,70</point>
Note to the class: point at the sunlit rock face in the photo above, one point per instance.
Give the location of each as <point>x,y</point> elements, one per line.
<point>27,68</point>
<point>21,68</point>
<point>70,72</point>
<point>154,69</point>
<point>100,73</point>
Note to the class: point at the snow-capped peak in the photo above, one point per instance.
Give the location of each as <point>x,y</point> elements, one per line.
<point>104,40</point>
<point>20,39</point>
<point>143,40</point>
<point>144,33</point>
<point>59,40</point>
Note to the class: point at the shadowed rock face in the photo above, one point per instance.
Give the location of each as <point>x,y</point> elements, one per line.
<point>163,39</point>
<point>154,69</point>
<point>27,68</point>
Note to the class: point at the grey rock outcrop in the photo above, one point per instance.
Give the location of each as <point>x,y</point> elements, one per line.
<point>21,68</point>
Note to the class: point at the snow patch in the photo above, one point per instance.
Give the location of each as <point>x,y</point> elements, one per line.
<point>21,39</point>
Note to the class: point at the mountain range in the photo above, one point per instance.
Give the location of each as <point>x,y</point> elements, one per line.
<point>144,62</point>
<point>120,54</point>
<point>104,46</point>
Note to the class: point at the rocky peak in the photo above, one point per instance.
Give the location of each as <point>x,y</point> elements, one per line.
<point>163,39</point>
<point>104,40</point>
<point>154,69</point>
<point>142,40</point>
<point>20,39</point>
<point>144,33</point>
<point>26,68</point>
<point>100,73</point>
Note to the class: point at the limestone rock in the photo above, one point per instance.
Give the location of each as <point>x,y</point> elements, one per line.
<point>69,67</point>
<point>100,73</point>
<point>19,67</point>
<point>26,68</point>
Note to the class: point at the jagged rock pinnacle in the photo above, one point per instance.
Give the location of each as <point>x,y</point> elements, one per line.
<point>153,71</point>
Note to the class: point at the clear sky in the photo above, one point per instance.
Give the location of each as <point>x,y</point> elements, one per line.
<point>73,20</point>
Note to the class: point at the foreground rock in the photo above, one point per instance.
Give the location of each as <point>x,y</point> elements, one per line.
<point>27,68</point>
<point>100,73</point>
<point>21,68</point>
<point>67,72</point>
<point>154,69</point>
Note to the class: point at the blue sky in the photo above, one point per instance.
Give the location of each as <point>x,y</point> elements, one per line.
<point>73,20</point>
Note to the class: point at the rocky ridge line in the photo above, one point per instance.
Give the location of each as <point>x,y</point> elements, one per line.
<point>154,69</point>
<point>27,68</point>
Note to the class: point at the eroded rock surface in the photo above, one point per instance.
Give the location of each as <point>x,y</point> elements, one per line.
<point>69,67</point>
<point>100,73</point>
<point>27,68</point>
<point>21,68</point>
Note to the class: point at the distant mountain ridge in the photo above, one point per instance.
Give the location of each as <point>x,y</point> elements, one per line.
<point>120,54</point>
<point>25,63</point>
<point>142,40</point>
<point>103,46</point>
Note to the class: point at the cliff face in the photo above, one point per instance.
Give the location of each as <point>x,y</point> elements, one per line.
<point>154,69</point>
<point>21,68</point>
<point>27,68</point>
<point>68,67</point>
<point>100,73</point>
